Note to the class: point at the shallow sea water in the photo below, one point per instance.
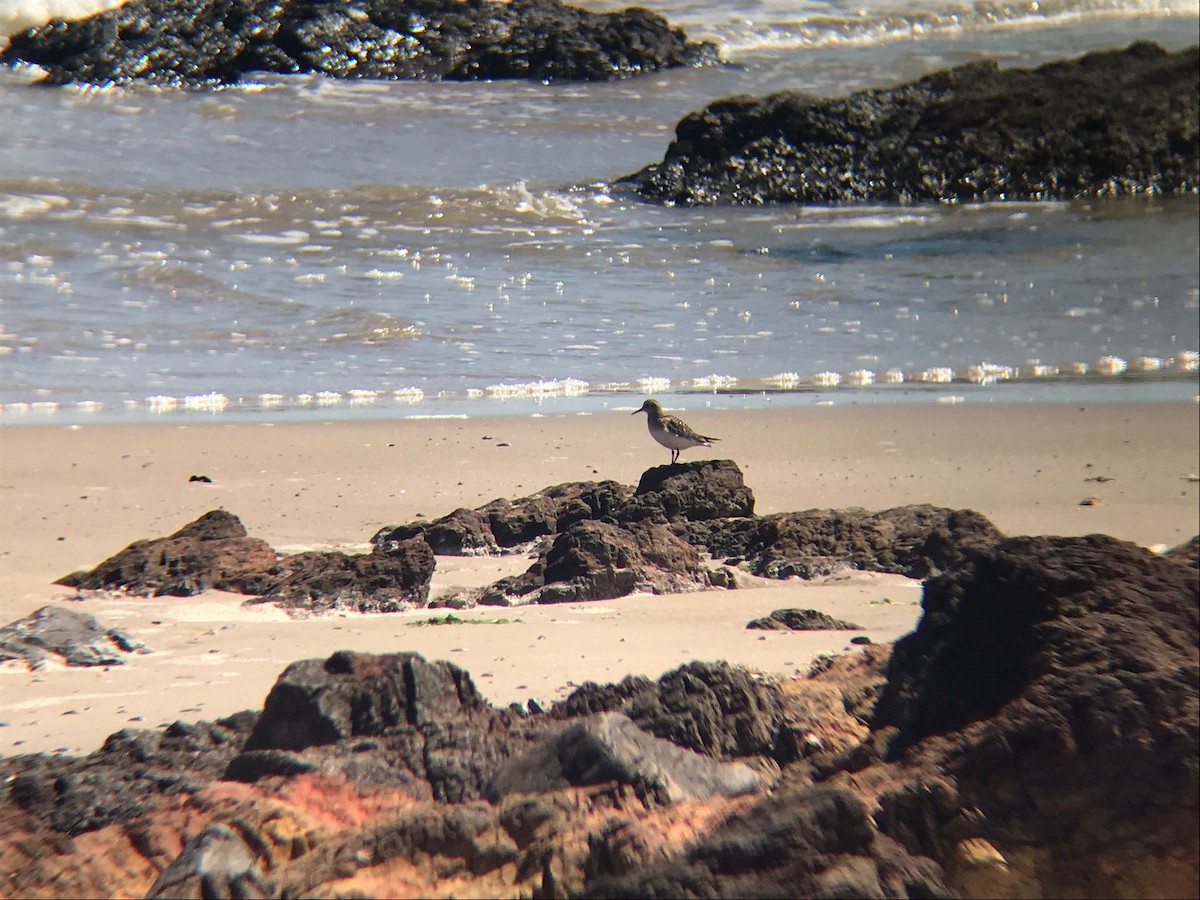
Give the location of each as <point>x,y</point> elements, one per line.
<point>303,247</point>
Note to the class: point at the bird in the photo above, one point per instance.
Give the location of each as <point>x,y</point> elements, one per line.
<point>672,433</point>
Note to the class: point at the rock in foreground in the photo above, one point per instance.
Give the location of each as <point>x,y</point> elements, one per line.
<point>1109,123</point>
<point>220,41</point>
<point>1037,735</point>
<point>75,638</point>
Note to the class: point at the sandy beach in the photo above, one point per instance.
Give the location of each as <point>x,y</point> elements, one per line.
<point>74,495</point>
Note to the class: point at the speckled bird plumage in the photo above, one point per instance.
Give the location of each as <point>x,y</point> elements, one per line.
<point>673,433</point>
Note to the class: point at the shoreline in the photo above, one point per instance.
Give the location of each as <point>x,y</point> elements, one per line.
<point>77,495</point>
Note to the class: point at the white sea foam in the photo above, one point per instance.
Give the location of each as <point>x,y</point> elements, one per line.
<point>1110,365</point>
<point>714,382</point>
<point>860,377</point>
<point>210,402</point>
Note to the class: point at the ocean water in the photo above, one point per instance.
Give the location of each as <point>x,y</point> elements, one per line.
<point>297,247</point>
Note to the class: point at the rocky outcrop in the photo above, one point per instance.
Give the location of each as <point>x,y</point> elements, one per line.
<point>609,747</point>
<point>594,540</point>
<point>806,841</point>
<point>386,580</point>
<point>74,638</point>
<point>1047,706</point>
<point>1037,735</point>
<point>698,492</point>
<point>1108,123</point>
<point>214,552</point>
<point>906,540</point>
<point>511,525</point>
<point>801,620</point>
<point>711,708</point>
<point>220,41</point>
<point>596,561</point>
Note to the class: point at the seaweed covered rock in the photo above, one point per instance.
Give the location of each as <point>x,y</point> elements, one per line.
<point>220,41</point>
<point>1111,122</point>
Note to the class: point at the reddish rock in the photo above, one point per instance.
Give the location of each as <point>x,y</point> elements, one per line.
<point>211,553</point>
<point>382,581</point>
<point>1048,703</point>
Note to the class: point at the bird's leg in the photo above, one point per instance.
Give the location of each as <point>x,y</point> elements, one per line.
<point>674,456</point>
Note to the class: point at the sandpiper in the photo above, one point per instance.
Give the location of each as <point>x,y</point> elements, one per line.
<point>672,433</point>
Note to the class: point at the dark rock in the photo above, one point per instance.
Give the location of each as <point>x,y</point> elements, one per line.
<point>595,560</point>
<point>610,747</point>
<point>816,841</point>
<point>219,41</point>
<point>76,637</point>
<point>691,492</point>
<point>356,694</point>
<point>251,765</point>
<point>381,581</point>
<point>1051,686</point>
<point>712,708</point>
<point>211,553</point>
<point>915,541</point>
<point>128,776</point>
<point>1188,553</point>
<point>464,532</point>
<point>1108,123</point>
<point>801,620</point>
<point>505,525</point>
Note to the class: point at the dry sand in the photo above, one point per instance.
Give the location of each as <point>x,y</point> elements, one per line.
<point>73,496</point>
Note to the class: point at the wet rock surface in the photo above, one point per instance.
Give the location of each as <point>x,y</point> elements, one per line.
<point>1036,735</point>
<point>1111,122</point>
<point>68,636</point>
<point>221,41</point>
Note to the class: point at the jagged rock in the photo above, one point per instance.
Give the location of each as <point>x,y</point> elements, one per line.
<point>610,747</point>
<point>915,541</point>
<point>712,708</point>
<point>1051,688</point>
<point>352,694</point>
<point>381,581</point>
<point>133,771</point>
<point>211,553</point>
<point>1110,122</point>
<point>218,41</point>
<point>801,620</point>
<point>596,560</point>
<point>75,637</point>
<point>215,553</point>
<point>805,841</point>
<point>1188,553</point>
<point>692,492</point>
<point>215,863</point>
<point>504,525</point>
